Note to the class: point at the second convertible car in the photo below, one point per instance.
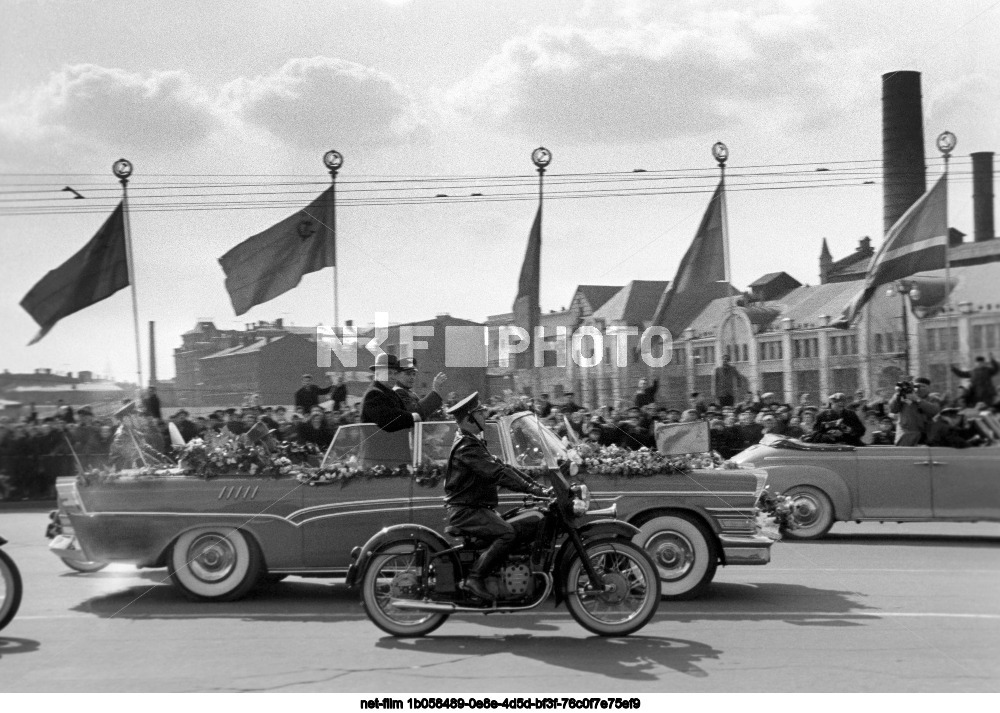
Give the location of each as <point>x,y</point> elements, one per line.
<point>832,483</point>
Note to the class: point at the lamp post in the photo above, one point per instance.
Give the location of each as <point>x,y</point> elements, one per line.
<point>541,157</point>
<point>903,288</point>
<point>333,160</point>
<point>122,168</point>
<point>946,142</point>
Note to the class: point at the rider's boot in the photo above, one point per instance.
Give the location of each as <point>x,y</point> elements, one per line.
<point>486,563</point>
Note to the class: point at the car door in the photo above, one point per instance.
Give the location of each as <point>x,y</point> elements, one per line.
<point>894,482</point>
<point>966,483</point>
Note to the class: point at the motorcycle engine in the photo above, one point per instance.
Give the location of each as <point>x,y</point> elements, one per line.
<point>515,580</point>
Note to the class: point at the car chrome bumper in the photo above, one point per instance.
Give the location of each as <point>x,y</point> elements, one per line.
<point>745,549</point>
<point>65,547</point>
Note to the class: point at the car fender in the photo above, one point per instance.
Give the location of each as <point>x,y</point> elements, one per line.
<point>781,478</point>
<point>591,532</point>
<point>389,536</point>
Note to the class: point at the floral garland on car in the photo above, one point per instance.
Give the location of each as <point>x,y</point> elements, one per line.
<point>427,475</point>
<point>642,463</point>
<point>774,514</point>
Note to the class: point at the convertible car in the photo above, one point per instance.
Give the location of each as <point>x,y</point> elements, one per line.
<point>221,535</point>
<point>834,483</point>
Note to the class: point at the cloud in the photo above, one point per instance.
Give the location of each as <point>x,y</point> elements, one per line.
<point>88,105</point>
<point>313,102</point>
<point>966,106</point>
<point>657,80</point>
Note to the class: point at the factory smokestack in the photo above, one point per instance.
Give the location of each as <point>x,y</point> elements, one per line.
<point>982,195</point>
<point>904,175</point>
<point>152,353</point>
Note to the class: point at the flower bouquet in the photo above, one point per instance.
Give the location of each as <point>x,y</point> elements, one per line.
<point>774,514</point>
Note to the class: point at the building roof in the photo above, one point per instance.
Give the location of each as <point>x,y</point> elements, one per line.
<point>597,295</point>
<point>79,386</point>
<point>256,346</point>
<point>633,304</point>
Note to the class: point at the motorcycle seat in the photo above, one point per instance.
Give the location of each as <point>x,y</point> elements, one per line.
<point>469,541</point>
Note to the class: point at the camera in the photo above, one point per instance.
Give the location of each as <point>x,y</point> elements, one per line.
<point>905,387</point>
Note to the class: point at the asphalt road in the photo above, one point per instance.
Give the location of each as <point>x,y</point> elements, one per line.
<point>895,608</point>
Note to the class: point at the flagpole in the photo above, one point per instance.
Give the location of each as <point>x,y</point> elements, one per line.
<point>946,143</point>
<point>122,169</point>
<point>541,157</point>
<point>333,160</point>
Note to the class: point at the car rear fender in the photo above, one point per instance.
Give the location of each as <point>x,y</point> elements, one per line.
<point>781,478</point>
<point>408,535</point>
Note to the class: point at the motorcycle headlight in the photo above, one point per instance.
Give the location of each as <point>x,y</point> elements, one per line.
<point>581,501</point>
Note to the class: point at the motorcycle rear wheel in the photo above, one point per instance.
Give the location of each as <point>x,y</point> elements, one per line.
<point>10,589</point>
<point>634,593</point>
<point>394,575</point>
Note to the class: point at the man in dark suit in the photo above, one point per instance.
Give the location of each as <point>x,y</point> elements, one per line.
<point>383,406</point>
<point>405,378</point>
<point>308,394</point>
<point>645,392</point>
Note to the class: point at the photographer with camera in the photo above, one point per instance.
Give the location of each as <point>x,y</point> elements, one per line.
<point>838,424</point>
<point>915,411</point>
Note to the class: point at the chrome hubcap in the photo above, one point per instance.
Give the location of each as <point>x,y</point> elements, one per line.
<point>673,554</point>
<point>211,558</point>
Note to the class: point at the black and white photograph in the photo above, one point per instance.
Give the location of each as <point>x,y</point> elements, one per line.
<point>459,355</point>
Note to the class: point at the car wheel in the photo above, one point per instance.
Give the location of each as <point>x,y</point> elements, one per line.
<point>214,563</point>
<point>812,513</point>
<point>684,554</point>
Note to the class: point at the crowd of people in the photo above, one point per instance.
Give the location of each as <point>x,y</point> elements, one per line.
<point>35,451</point>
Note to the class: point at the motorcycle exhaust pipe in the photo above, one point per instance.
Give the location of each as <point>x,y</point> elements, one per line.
<point>409,604</point>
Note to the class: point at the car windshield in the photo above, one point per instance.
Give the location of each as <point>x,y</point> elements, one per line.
<point>534,443</point>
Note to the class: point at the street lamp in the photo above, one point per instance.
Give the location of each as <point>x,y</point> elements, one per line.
<point>333,160</point>
<point>904,288</point>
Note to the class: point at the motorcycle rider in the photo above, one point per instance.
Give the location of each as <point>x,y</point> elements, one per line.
<point>471,482</point>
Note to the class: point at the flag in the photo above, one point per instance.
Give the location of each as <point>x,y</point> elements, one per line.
<point>526,309</point>
<point>679,438</point>
<point>97,271</point>
<point>917,242</point>
<point>702,273</point>
<point>271,263</point>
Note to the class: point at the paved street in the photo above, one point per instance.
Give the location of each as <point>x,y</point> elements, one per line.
<point>872,608</point>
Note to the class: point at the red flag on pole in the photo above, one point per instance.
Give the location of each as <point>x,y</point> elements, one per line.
<point>701,276</point>
<point>271,263</point>
<point>526,309</point>
<point>94,273</point>
<point>917,242</point>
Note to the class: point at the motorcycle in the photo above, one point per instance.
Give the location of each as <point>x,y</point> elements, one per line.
<point>410,575</point>
<point>10,587</point>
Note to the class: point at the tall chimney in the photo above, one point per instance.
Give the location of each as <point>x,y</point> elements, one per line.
<point>904,175</point>
<point>982,196</point>
<point>152,353</point>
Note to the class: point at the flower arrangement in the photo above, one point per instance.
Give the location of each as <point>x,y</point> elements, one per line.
<point>774,514</point>
<point>622,462</point>
<point>427,475</point>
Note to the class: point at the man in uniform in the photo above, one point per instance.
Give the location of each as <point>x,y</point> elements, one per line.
<point>470,487</point>
<point>405,378</point>
<point>915,411</point>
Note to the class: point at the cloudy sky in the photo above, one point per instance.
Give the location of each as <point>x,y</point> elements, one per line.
<point>226,108</point>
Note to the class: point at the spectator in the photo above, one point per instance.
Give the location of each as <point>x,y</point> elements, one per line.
<point>339,393</point>
<point>981,387</point>
<point>316,431</point>
<point>726,382</point>
<point>568,405</point>
<point>308,394</point>
<point>698,404</point>
<point>151,404</point>
<point>542,406</point>
<point>915,412</point>
<point>837,424</point>
<point>646,392</point>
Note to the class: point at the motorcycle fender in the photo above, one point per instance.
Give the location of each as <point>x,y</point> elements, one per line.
<point>388,537</point>
<point>597,530</point>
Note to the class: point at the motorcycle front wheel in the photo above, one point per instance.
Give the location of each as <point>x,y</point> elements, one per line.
<point>394,575</point>
<point>10,589</point>
<point>631,589</point>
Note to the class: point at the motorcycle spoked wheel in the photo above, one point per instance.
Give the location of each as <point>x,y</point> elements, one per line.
<point>394,574</point>
<point>10,589</point>
<point>634,593</point>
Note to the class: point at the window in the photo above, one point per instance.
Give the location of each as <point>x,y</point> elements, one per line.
<point>878,344</point>
<point>985,336</point>
<point>771,351</point>
<point>806,348</point>
<point>938,339</point>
